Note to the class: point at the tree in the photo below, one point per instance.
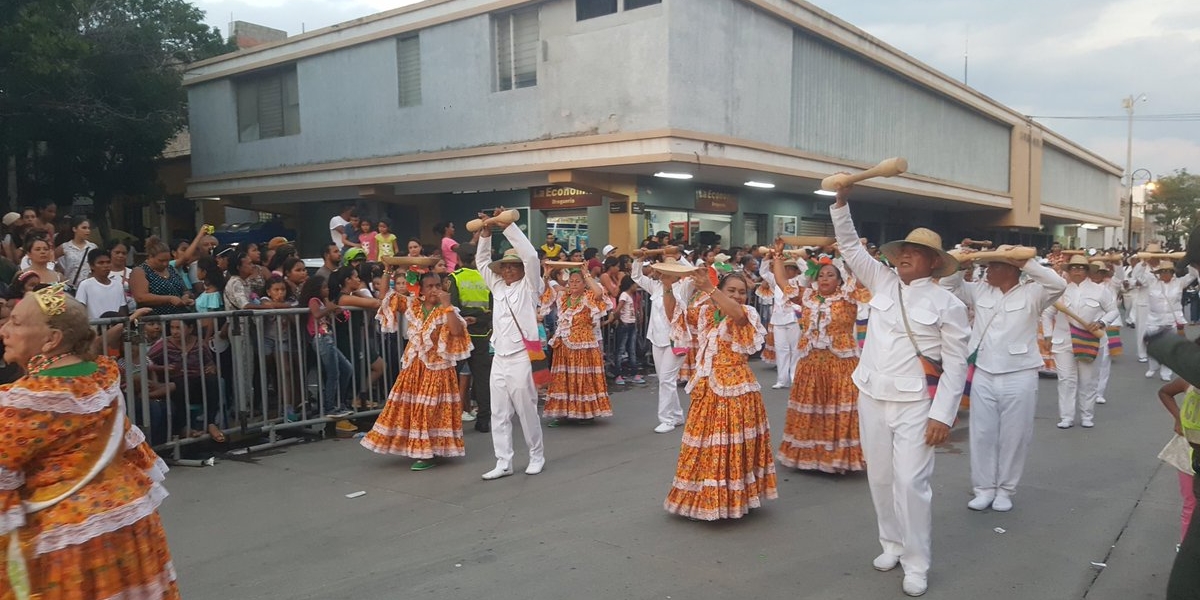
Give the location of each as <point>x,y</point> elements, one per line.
<point>1174,203</point>
<point>90,93</point>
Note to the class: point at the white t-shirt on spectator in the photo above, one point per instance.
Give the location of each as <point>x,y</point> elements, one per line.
<point>26,263</point>
<point>334,235</point>
<point>626,303</point>
<point>100,298</point>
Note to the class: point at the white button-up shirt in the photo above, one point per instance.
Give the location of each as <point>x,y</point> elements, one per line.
<point>783,312</point>
<point>658,330</point>
<point>1089,301</point>
<point>1165,299</point>
<point>1005,328</point>
<point>889,368</point>
<point>519,299</point>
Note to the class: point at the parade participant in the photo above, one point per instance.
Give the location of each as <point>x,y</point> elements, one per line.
<point>725,466</point>
<point>821,432</point>
<point>1163,294</point>
<point>1005,353</point>
<point>784,326</point>
<point>914,325</point>
<point>1077,377</point>
<point>578,390</point>
<point>79,487</point>
<point>667,359</point>
<point>516,287</point>
<point>469,293</point>
<point>421,419</point>
<point>1102,274</point>
<point>1143,270</point>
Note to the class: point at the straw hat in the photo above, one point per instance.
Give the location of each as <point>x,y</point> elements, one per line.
<point>721,258</point>
<point>1154,247</point>
<point>510,256</point>
<point>791,262</point>
<point>1165,265</point>
<point>670,266</point>
<point>1079,259</point>
<point>1098,266</point>
<point>922,237</point>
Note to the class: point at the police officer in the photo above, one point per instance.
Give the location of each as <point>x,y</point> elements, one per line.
<point>469,293</point>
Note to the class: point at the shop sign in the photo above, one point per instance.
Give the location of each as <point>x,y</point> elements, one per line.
<point>553,197</point>
<point>616,207</point>
<point>715,201</point>
<point>637,208</point>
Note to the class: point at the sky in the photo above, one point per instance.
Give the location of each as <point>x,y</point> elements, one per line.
<point>1052,58</point>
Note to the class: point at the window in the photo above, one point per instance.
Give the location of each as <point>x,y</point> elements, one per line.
<point>590,9</point>
<point>408,65</point>
<point>516,49</point>
<point>268,105</point>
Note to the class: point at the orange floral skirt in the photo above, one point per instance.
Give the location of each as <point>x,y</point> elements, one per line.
<point>687,367</point>
<point>821,432</point>
<point>423,416</point>
<point>725,465</point>
<point>768,350</point>
<point>131,562</point>
<point>578,389</point>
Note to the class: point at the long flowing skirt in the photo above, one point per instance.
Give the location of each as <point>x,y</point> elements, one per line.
<point>423,416</point>
<point>725,465</point>
<point>821,432</point>
<point>578,389</point>
<point>768,351</point>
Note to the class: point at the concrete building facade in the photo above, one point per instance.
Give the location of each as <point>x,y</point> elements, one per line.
<point>440,109</point>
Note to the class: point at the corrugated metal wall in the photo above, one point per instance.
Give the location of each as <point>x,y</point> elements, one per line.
<point>846,107</point>
<point>1071,183</point>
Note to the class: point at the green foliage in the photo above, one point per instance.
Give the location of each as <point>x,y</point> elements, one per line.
<point>1174,203</point>
<point>90,92</point>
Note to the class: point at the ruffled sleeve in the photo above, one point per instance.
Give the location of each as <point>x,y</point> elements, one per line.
<point>597,304</point>
<point>748,338</point>
<point>546,301</point>
<point>393,305</point>
<point>450,346</point>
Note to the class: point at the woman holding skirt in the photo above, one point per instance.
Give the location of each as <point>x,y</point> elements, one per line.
<point>423,417</point>
<point>725,465</point>
<point>578,388</point>
<point>821,431</point>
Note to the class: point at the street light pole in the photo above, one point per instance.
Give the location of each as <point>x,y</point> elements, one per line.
<point>1128,104</point>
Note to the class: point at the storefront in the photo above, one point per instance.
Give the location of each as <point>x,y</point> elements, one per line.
<point>565,212</point>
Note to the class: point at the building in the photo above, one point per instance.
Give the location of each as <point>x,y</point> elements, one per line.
<point>567,110</point>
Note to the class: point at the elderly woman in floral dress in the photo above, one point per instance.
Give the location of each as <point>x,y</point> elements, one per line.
<point>578,390</point>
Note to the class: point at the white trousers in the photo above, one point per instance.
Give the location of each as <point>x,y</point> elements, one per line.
<point>787,340</point>
<point>1141,318</point>
<point>1002,409</point>
<point>893,443</point>
<point>666,366</point>
<point>1076,385</point>
<point>1103,369</point>
<point>513,393</point>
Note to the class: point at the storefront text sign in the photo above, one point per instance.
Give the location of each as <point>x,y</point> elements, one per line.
<point>553,197</point>
<point>717,202</point>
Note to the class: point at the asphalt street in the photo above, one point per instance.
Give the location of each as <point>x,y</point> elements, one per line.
<point>1096,517</point>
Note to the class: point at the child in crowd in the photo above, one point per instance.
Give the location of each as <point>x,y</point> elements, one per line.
<point>385,242</point>
<point>277,341</point>
<point>100,293</point>
<point>366,237</point>
<point>336,368</point>
<point>627,362</point>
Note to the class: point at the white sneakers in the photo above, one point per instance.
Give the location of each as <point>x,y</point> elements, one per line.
<point>914,585</point>
<point>1165,377</point>
<point>1149,373</point>
<point>535,467</point>
<point>664,428</point>
<point>1087,423</point>
<point>885,562</point>
<point>1002,504</point>
<point>1101,400</point>
<point>497,473</point>
<point>467,417</point>
<point>778,386</point>
<point>1065,424</point>
<point>980,501</point>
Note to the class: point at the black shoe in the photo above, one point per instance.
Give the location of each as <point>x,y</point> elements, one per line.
<point>483,426</point>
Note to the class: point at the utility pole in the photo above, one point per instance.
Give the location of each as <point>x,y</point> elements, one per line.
<point>1128,104</point>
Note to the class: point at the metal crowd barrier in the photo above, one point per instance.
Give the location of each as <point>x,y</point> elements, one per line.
<point>255,373</point>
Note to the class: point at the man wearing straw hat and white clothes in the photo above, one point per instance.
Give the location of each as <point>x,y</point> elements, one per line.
<point>658,331</point>
<point>1141,299</point>
<point>1004,387</point>
<point>900,423</point>
<point>1101,274</point>
<point>783,321</point>
<point>1094,310</point>
<point>1164,292</point>
<point>516,286</point>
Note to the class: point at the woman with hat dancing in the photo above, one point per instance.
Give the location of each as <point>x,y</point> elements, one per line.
<point>821,432</point>
<point>725,465</point>
<point>1163,291</point>
<point>578,390</point>
<point>79,487</point>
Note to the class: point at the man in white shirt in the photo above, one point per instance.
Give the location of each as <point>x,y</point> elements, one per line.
<point>1164,293</point>
<point>1141,300</point>
<point>338,225</point>
<point>100,294</point>
<point>1101,274</point>
<point>516,286</point>
<point>1077,378</point>
<point>658,331</point>
<point>783,321</point>
<point>899,422</point>
<point>1004,387</point>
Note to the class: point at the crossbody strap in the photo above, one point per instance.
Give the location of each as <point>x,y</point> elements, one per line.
<point>904,315</point>
<point>516,321</point>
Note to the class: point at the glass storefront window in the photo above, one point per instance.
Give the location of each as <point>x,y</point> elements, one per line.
<point>691,227</point>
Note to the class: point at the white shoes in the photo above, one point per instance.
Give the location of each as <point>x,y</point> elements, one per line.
<point>914,585</point>
<point>1065,424</point>
<point>1149,373</point>
<point>1165,377</point>
<point>779,386</point>
<point>1101,400</point>
<point>1002,504</point>
<point>885,562</point>
<point>980,502</point>
<point>497,473</point>
<point>467,417</point>
<point>1087,423</point>
<point>535,467</point>
<point>664,428</point>
<point>1142,360</point>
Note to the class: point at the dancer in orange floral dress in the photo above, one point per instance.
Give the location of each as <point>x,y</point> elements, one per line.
<point>725,465</point>
<point>79,487</point>
<point>578,390</point>
<point>423,418</point>
<point>696,298</point>
<point>821,432</point>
